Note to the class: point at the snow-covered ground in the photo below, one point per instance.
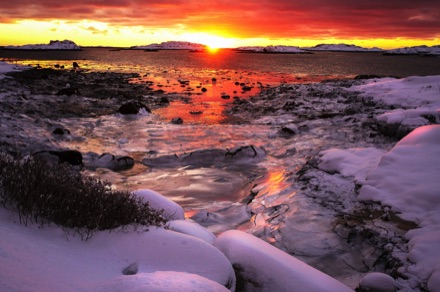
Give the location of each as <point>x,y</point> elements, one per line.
<point>53,45</point>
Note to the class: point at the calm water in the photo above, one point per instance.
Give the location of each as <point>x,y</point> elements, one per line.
<point>316,64</point>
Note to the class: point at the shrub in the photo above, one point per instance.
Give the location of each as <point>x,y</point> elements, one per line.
<point>42,193</point>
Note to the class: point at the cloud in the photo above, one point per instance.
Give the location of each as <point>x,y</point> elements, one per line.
<point>257,18</point>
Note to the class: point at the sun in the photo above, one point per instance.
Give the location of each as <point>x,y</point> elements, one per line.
<point>212,41</point>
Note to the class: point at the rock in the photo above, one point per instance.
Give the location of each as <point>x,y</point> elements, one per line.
<point>61,131</point>
<point>164,100</point>
<point>204,89</point>
<point>112,162</point>
<point>366,76</point>
<point>68,91</point>
<point>75,65</point>
<point>177,121</point>
<point>72,157</point>
<point>131,269</point>
<point>225,96</point>
<point>214,79</point>
<point>377,282</point>
<point>171,210</point>
<point>289,130</point>
<point>133,108</point>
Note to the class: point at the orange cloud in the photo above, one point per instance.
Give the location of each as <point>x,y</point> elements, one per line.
<point>310,19</point>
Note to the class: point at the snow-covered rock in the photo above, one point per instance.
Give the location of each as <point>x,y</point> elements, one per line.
<point>161,281</point>
<point>416,50</point>
<point>407,180</point>
<point>342,48</point>
<point>172,210</point>
<point>192,228</point>
<point>266,268</point>
<point>43,259</point>
<point>171,45</point>
<point>65,45</point>
<point>377,282</point>
<point>271,49</point>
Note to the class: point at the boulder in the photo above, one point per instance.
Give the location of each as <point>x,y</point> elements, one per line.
<point>132,108</point>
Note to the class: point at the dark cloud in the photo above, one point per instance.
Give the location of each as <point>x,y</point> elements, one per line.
<point>258,18</point>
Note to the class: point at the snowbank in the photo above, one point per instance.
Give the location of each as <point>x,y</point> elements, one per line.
<point>172,210</point>
<point>65,45</point>
<point>407,180</point>
<point>35,259</point>
<point>269,269</point>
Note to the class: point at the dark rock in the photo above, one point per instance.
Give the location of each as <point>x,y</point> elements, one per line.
<point>366,76</point>
<point>164,100</point>
<point>204,89</point>
<point>132,108</point>
<point>246,88</point>
<point>75,65</point>
<point>225,96</point>
<point>177,121</point>
<point>68,91</point>
<point>110,161</point>
<point>131,269</point>
<point>196,112</point>
<point>214,79</point>
<point>72,157</point>
<point>61,131</point>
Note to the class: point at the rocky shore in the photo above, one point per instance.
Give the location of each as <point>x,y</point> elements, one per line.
<point>352,237</point>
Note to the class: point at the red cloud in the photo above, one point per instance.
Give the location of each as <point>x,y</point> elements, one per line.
<point>258,18</point>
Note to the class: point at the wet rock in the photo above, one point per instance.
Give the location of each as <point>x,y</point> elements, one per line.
<point>69,91</point>
<point>366,76</point>
<point>110,161</point>
<point>288,131</point>
<point>72,157</point>
<point>177,121</point>
<point>61,131</point>
<point>132,108</point>
<point>210,157</point>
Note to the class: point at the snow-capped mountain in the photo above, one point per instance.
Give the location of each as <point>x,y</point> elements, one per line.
<point>171,45</point>
<point>53,45</point>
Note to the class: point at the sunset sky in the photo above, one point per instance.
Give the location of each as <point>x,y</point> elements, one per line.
<point>222,23</point>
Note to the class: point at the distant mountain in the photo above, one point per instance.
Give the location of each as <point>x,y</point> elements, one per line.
<point>271,49</point>
<point>65,45</point>
<point>171,45</point>
<point>417,50</point>
<point>342,48</point>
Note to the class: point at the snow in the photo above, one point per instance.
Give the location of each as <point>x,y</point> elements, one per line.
<point>160,282</point>
<point>172,210</point>
<point>191,228</point>
<point>53,45</point>
<point>407,180</point>
<point>271,269</point>
<point>416,50</point>
<point>342,48</point>
<point>43,259</point>
<point>8,67</point>
<point>171,45</point>
<point>271,49</point>
<point>354,162</point>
